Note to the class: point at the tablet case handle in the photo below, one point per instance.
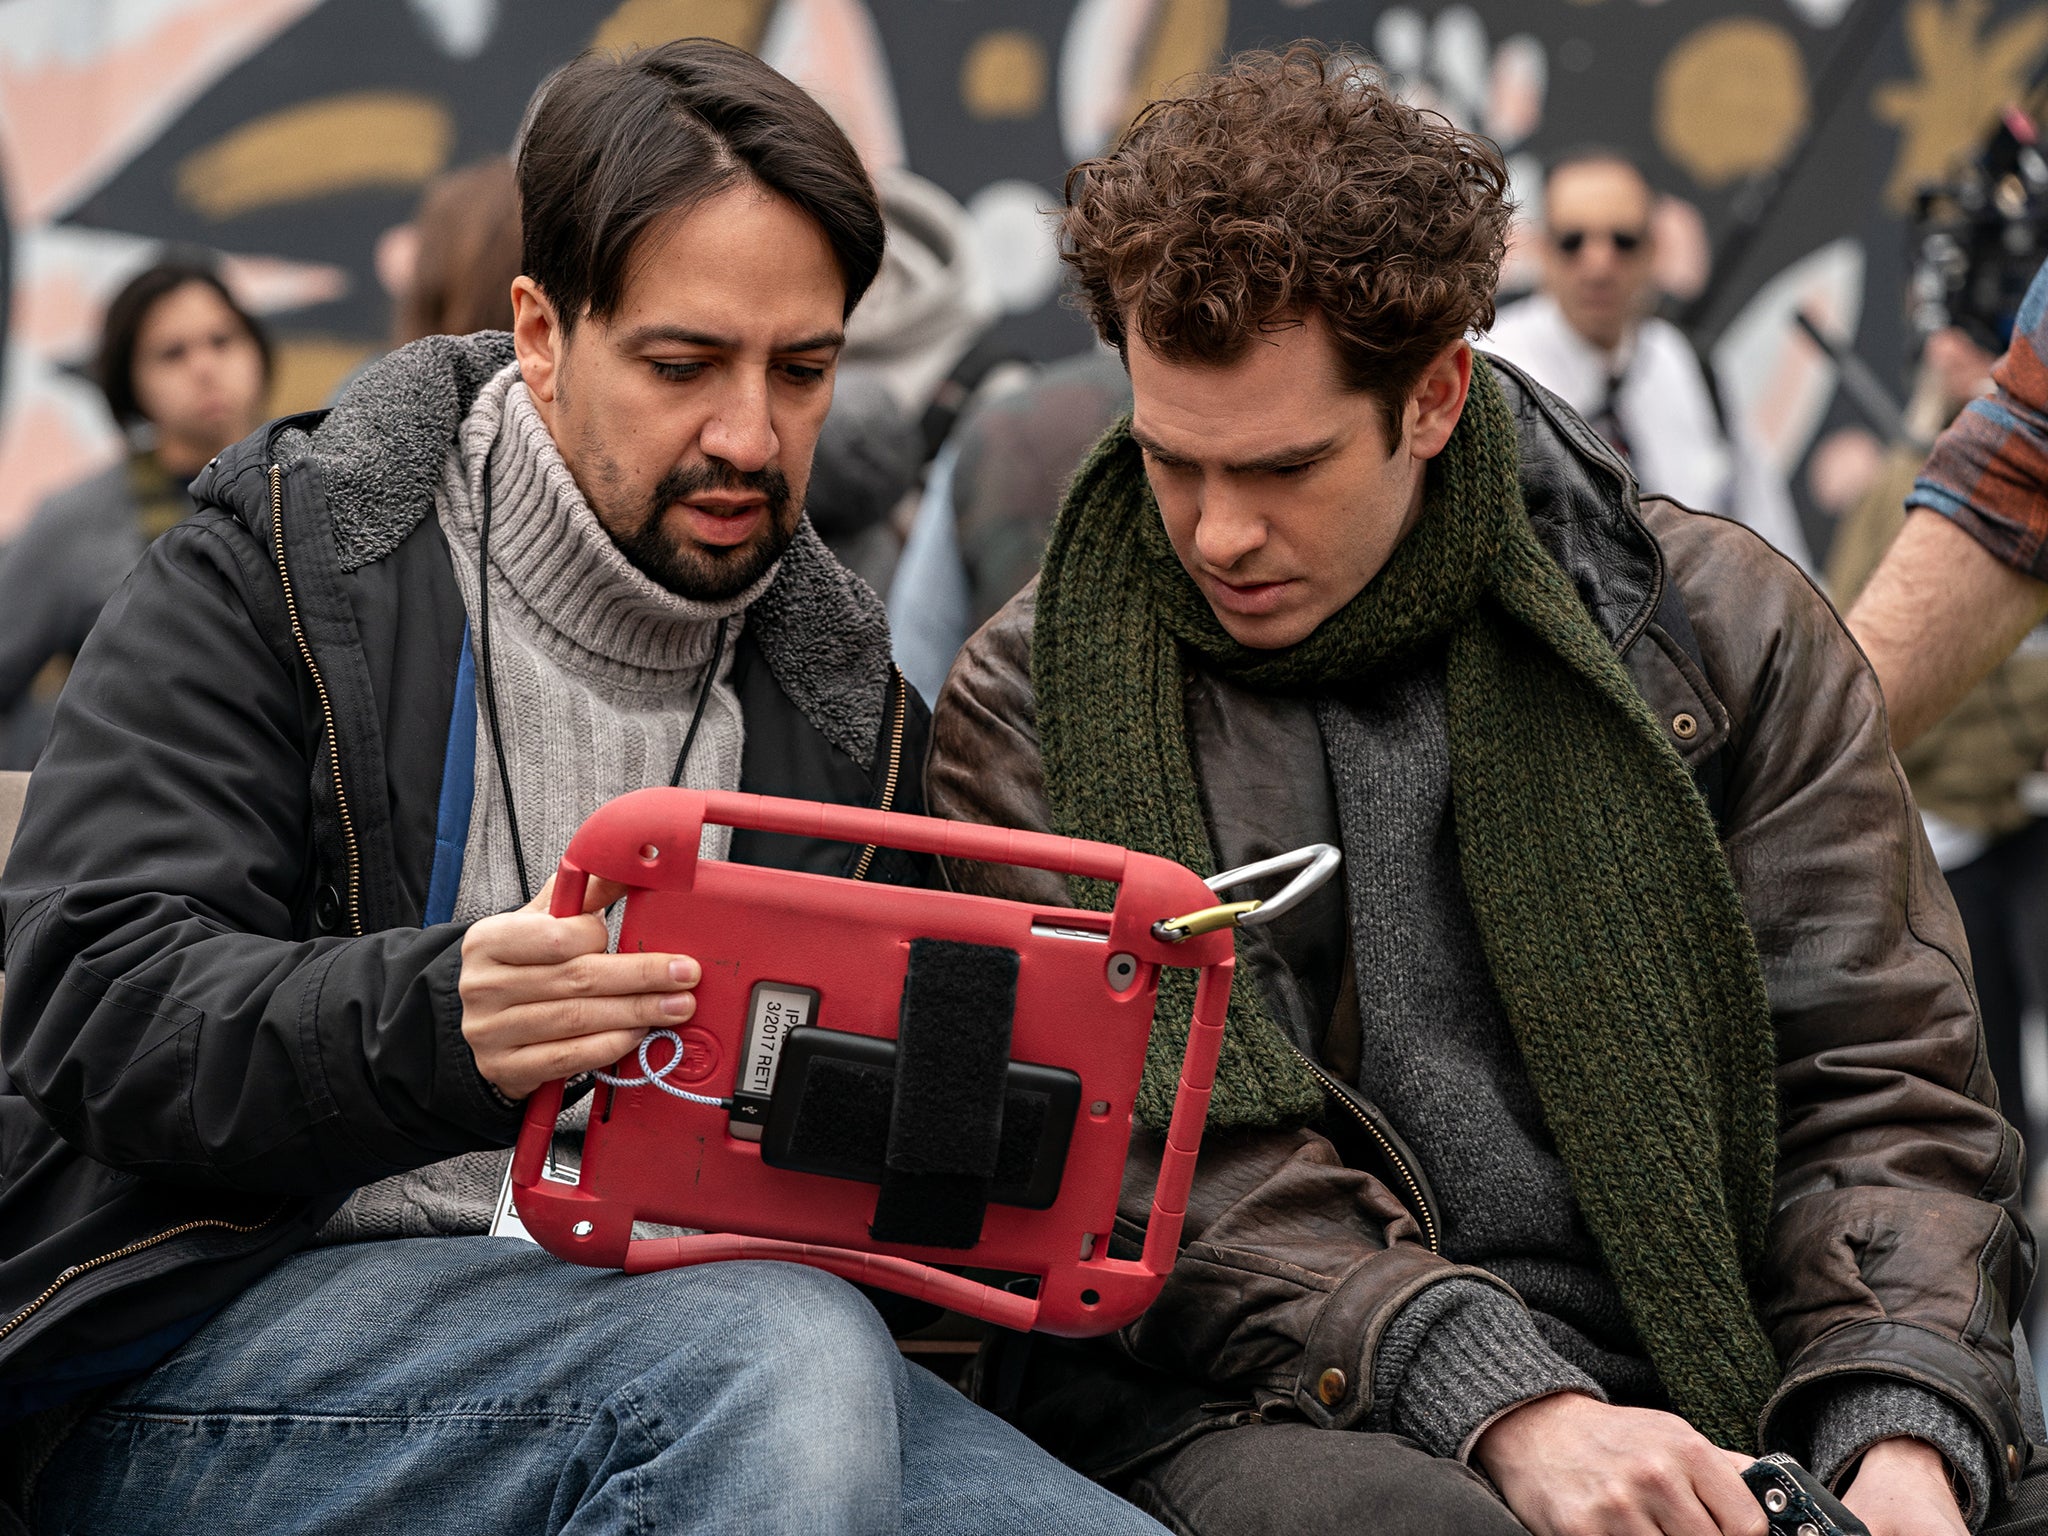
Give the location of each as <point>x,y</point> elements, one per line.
<point>648,840</point>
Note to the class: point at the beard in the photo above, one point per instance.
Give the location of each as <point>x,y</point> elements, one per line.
<point>707,573</point>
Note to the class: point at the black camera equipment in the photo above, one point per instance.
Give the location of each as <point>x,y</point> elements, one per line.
<point>1979,238</point>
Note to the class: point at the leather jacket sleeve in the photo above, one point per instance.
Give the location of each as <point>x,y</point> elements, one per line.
<point>1292,1264</point>
<point>1898,1246</point>
<point>168,1009</point>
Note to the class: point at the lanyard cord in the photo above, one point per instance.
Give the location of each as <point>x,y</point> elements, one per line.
<point>483,627</point>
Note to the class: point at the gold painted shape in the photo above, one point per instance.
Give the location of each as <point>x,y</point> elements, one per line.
<point>335,144</point>
<point>1965,78</point>
<point>650,23</point>
<point>1187,38</point>
<point>1004,76</point>
<point>306,370</point>
<point>1731,100</point>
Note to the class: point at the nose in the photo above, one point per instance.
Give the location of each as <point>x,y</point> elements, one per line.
<point>741,429</point>
<point>1599,261</point>
<point>1227,527</point>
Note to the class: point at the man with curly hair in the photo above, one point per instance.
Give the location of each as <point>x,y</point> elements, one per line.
<point>1622,1114</point>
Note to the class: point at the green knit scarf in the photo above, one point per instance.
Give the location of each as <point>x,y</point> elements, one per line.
<point>1605,908</point>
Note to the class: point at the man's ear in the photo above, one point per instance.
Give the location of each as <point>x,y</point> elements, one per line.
<point>1438,400</point>
<point>537,340</point>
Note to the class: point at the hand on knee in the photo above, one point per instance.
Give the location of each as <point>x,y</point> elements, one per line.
<point>1569,1465</point>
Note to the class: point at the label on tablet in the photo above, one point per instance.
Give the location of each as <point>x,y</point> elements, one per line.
<point>774,1010</point>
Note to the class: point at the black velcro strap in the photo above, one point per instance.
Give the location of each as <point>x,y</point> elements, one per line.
<point>840,1122</point>
<point>946,1122</point>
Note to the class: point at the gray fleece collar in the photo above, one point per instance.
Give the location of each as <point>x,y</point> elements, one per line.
<point>378,455</point>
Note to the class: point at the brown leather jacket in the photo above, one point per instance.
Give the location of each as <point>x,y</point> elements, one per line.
<point>1897,1246</point>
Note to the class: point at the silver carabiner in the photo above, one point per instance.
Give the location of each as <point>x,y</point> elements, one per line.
<point>1317,862</point>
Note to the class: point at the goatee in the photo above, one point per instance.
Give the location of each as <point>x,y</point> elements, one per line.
<point>706,573</point>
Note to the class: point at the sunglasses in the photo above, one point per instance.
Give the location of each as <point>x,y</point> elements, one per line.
<point>1570,242</point>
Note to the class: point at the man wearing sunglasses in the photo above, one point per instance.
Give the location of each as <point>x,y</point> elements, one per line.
<point>1591,337</point>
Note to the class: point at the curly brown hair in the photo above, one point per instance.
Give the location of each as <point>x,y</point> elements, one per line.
<point>1287,183</point>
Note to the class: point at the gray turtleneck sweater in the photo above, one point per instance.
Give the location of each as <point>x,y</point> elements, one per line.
<point>598,669</point>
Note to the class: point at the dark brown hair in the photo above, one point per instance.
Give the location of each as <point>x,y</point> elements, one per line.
<point>114,368</point>
<point>468,230</point>
<point>1283,184</point>
<point>614,142</point>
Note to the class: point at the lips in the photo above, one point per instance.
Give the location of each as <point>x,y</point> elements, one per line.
<point>1248,598</point>
<point>723,524</point>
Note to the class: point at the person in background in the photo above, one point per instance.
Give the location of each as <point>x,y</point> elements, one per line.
<point>1591,337</point>
<point>988,507</point>
<point>1967,578</point>
<point>465,255</point>
<point>1977,774</point>
<point>185,370</point>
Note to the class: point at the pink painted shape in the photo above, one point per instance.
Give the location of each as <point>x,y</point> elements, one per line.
<point>67,123</point>
<point>57,315</point>
<point>43,449</point>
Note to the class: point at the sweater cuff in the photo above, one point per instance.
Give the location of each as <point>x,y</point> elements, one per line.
<point>1867,1409</point>
<point>1456,1358</point>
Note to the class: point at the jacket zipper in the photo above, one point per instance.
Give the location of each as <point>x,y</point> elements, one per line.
<point>894,771</point>
<point>66,1276</point>
<point>1421,1206</point>
<point>348,828</point>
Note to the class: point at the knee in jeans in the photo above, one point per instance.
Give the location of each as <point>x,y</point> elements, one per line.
<point>817,1322</point>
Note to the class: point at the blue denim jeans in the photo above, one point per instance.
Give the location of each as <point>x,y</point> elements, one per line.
<point>447,1385</point>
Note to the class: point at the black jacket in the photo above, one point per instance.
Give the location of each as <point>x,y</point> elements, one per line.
<point>221,1012</point>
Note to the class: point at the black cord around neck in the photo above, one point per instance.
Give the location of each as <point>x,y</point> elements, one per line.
<point>483,629</point>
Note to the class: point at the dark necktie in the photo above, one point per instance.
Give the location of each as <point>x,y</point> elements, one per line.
<point>1607,419</point>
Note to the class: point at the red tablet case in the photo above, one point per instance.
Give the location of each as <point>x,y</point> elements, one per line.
<point>1086,987</point>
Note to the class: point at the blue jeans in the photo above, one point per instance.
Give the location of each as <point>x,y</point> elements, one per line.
<point>446,1385</point>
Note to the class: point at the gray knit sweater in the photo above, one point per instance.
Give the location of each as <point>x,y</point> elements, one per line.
<point>1437,1056</point>
<point>597,667</point>
<point>598,670</point>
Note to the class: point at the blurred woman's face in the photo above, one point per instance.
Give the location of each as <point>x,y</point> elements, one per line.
<point>198,376</point>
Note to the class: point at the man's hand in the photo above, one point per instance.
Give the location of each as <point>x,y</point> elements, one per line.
<point>1569,1465</point>
<point>542,999</point>
<point>1902,1489</point>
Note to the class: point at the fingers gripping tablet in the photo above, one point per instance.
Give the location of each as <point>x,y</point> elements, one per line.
<point>885,1080</point>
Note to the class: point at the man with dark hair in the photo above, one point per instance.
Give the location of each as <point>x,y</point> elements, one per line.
<point>280,962</point>
<point>1624,1115</point>
<point>1592,337</point>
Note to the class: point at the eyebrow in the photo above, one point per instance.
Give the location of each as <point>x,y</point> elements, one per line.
<point>1279,458</point>
<point>677,335</point>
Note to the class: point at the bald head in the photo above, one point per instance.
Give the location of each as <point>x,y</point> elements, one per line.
<point>1596,247</point>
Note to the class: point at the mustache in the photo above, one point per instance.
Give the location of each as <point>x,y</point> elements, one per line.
<point>686,481</point>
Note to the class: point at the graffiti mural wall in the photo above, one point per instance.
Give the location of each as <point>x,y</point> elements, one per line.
<point>295,135</point>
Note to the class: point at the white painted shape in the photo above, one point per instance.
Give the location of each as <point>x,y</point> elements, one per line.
<point>1098,58</point>
<point>833,49</point>
<point>1821,13</point>
<point>1517,90</point>
<point>1459,59</point>
<point>1015,244</point>
<point>1776,381</point>
<point>459,28</point>
<point>1400,40</point>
